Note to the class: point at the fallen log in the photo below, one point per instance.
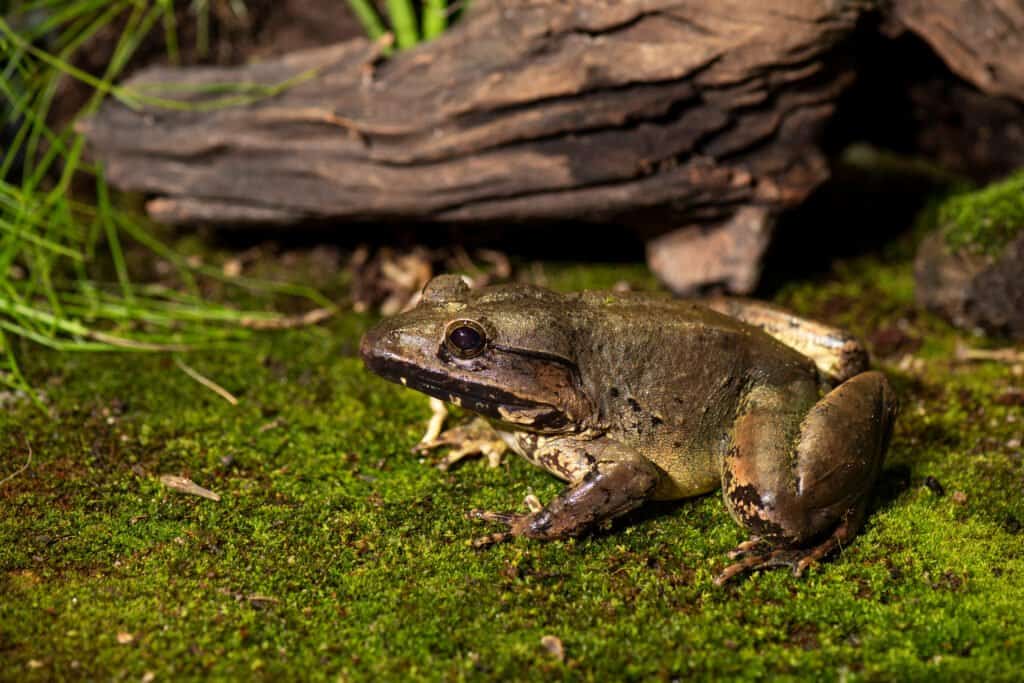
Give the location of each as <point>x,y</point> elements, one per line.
<point>691,116</point>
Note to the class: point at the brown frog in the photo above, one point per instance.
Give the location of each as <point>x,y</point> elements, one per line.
<point>636,397</point>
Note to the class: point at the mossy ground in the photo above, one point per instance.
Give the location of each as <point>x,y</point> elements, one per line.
<point>334,553</point>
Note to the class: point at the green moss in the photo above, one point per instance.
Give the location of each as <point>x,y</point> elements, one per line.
<point>986,220</point>
<point>334,552</point>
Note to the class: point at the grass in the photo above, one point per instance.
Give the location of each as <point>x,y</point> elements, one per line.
<point>65,278</point>
<point>408,27</point>
<point>335,554</point>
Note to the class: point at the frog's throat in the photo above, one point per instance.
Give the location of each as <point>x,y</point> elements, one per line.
<point>488,401</point>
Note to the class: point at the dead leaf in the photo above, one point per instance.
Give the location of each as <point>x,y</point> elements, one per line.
<point>188,486</point>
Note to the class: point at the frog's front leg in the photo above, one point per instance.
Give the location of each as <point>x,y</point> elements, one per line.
<point>606,479</point>
<point>801,486</point>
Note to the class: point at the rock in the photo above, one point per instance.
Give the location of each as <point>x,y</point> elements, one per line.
<point>973,291</point>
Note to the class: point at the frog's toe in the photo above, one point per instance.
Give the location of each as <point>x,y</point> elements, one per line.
<point>754,545</point>
<point>507,518</point>
<point>763,560</point>
<point>514,521</point>
<point>491,539</point>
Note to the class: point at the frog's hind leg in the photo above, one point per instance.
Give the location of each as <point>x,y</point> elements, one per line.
<point>837,354</point>
<point>609,480</point>
<point>802,503</point>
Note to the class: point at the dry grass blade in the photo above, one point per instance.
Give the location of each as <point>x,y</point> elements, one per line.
<point>207,382</point>
<point>15,473</point>
<point>288,322</point>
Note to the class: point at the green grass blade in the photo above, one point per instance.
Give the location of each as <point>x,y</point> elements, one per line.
<point>403,21</point>
<point>170,22</point>
<point>113,241</point>
<point>368,17</point>
<point>435,18</point>
<point>24,233</point>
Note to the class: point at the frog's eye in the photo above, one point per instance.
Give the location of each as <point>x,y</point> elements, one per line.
<point>465,338</point>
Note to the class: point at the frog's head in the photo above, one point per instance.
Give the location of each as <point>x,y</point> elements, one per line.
<point>504,352</point>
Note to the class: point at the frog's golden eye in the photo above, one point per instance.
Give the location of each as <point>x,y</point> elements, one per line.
<point>465,338</point>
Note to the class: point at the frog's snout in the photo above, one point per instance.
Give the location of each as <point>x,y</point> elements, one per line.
<point>386,346</point>
<point>372,347</point>
<point>366,345</point>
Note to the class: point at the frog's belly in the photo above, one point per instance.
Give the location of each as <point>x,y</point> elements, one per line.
<point>685,472</point>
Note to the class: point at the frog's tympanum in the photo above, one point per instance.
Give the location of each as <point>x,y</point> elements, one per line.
<point>634,397</point>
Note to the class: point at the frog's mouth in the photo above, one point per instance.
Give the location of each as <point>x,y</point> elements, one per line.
<point>486,400</point>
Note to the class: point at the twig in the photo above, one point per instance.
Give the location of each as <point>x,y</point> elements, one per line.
<point>207,382</point>
<point>1007,355</point>
<point>28,461</point>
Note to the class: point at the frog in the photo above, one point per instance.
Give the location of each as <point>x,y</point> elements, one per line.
<point>635,397</point>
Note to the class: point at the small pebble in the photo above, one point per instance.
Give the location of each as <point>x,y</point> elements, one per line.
<point>959,497</point>
<point>934,486</point>
<point>553,646</point>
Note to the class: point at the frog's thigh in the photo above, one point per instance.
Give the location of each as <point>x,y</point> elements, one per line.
<point>835,352</point>
<point>790,495</point>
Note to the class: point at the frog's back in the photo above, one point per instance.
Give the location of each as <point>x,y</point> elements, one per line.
<point>648,329</point>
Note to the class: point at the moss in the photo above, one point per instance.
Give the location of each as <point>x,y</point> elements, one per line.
<point>986,220</point>
<point>335,553</point>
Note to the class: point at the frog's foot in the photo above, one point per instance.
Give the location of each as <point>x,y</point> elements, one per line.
<point>798,560</point>
<point>475,438</point>
<point>757,553</point>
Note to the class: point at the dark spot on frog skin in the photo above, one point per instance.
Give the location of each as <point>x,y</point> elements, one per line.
<point>747,503</point>
<point>746,497</point>
<point>634,405</point>
<point>553,461</point>
<point>613,392</point>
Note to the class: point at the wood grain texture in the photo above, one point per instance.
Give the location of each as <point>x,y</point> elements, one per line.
<point>528,110</point>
